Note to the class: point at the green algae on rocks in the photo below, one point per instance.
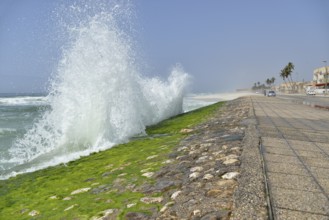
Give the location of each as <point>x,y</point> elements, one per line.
<point>101,184</point>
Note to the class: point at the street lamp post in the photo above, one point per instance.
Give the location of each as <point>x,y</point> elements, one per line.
<point>325,76</point>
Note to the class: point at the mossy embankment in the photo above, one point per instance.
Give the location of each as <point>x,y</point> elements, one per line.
<point>107,180</point>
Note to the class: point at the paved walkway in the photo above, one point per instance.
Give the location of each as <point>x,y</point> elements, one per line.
<point>295,148</point>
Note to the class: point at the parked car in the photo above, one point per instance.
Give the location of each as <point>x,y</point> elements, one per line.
<point>310,92</point>
<point>321,91</point>
<point>271,94</point>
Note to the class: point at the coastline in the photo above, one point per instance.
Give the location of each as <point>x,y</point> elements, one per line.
<point>216,97</point>
<point>187,167</point>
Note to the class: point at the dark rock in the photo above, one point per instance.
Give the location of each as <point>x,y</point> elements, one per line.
<point>182,158</point>
<point>173,155</point>
<point>164,185</point>
<point>100,189</point>
<point>90,179</point>
<point>107,174</point>
<point>218,215</point>
<point>136,216</point>
<point>145,188</point>
<point>162,172</point>
<point>234,137</point>
<point>184,166</point>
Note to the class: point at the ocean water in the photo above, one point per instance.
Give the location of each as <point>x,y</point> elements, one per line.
<point>192,102</point>
<point>20,118</point>
<point>98,97</point>
<point>17,115</point>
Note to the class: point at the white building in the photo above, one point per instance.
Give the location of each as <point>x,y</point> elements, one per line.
<point>294,87</point>
<point>320,77</point>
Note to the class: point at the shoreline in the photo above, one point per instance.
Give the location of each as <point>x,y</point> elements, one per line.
<point>216,97</point>
<point>196,172</point>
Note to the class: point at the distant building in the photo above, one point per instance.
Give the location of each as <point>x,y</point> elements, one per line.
<point>293,87</point>
<point>320,81</point>
<point>320,77</point>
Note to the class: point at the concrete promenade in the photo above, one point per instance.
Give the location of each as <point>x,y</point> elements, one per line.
<point>295,149</point>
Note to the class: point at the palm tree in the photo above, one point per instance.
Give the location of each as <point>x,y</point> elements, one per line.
<point>286,73</point>
<point>255,86</point>
<point>283,75</point>
<point>289,68</point>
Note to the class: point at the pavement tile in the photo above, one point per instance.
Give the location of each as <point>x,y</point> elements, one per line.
<point>316,135</point>
<point>270,133</point>
<point>296,123</point>
<point>294,192</point>
<point>274,142</point>
<point>305,147</point>
<point>302,201</point>
<point>278,151</point>
<point>290,181</point>
<point>264,121</point>
<point>316,162</point>
<point>285,214</point>
<point>288,129</point>
<point>280,123</point>
<point>320,172</point>
<point>291,136</point>
<point>302,144</point>
<point>297,169</point>
<point>316,132</point>
<point>318,138</point>
<point>294,134</point>
<point>307,153</point>
<point>324,182</point>
<point>281,159</point>
<point>324,147</point>
<point>326,150</point>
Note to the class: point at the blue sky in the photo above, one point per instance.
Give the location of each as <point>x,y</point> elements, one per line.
<point>223,44</point>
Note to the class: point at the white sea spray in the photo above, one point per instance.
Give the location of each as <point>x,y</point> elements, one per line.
<point>98,97</point>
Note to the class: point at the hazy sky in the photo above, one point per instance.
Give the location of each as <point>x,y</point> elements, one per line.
<point>223,44</point>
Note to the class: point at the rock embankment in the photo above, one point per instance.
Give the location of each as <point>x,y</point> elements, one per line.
<point>203,177</point>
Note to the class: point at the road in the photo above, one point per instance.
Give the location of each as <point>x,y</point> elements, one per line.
<point>295,149</point>
<point>321,101</point>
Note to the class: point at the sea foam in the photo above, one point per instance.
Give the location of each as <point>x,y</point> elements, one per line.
<point>97,98</point>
